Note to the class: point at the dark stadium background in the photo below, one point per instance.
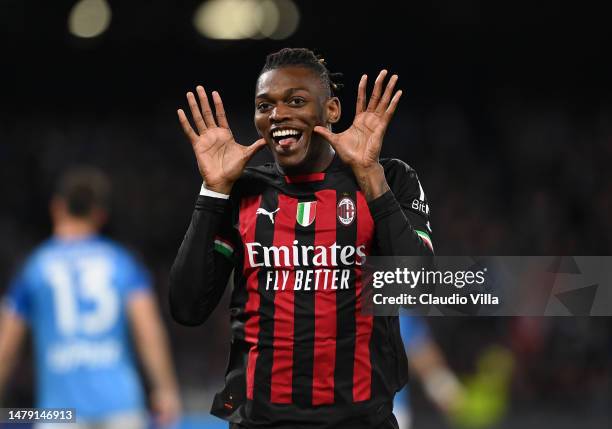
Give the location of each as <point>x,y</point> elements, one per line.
<point>506,116</point>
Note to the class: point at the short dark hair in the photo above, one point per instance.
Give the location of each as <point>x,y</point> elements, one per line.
<point>84,188</point>
<point>302,57</point>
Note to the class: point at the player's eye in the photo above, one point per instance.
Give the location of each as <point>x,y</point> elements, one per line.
<point>262,107</point>
<point>296,101</point>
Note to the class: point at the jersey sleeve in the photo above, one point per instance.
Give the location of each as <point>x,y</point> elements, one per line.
<point>401,215</point>
<point>18,298</point>
<point>204,262</point>
<point>226,240</point>
<point>408,190</point>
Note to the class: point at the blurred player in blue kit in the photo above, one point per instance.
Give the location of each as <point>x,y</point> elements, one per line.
<point>82,295</point>
<point>426,361</point>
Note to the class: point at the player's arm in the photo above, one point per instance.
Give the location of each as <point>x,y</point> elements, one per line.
<point>153,349</point>
<point>359,146</point>
<point>199,274</point>
<point>401,214</point>
<point>439,382</point>
<point>427,362</point>
<point>15,315</point>
<point>12,332</point>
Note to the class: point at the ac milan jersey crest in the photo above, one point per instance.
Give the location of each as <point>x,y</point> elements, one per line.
<point>346,211</point>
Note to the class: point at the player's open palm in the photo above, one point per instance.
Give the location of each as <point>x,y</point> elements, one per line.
<point>220,159</point>
<point>359,146</point>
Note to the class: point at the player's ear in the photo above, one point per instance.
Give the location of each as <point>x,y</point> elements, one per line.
<point>334,110</point>
<point>99,217</point>
<point>57,207</point>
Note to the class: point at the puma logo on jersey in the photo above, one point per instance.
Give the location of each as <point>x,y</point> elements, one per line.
<point>267,213</point>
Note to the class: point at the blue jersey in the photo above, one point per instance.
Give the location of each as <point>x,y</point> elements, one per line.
<point>74,294</point>
<point>414,333</point>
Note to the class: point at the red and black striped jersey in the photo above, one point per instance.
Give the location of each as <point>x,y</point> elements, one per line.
<point>303,354</point>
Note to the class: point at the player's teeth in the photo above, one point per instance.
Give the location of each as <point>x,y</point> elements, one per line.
<point>283,133</point>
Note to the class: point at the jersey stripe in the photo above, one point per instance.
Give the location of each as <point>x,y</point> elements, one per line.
<point>303,355</point>
<point>247,221</point>
<point>264,235</point>
<point>362,374</point>
<point>282,362</point>
<point>345,315</point>
<point>325,306</point>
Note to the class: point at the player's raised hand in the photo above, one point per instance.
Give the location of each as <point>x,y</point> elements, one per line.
<point>359,146</point>
<point>220,159</point>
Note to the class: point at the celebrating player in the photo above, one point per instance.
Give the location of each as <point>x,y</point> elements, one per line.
<point>80,293</point>
<point>296,232</point>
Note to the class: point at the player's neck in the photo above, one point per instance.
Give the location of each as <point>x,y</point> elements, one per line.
<point>317,164</point>
<point>73,229</point>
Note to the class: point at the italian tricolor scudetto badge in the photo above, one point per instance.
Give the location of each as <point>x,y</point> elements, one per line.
<point>306,212</point>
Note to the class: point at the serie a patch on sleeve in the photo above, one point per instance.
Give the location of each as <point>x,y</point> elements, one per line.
<point>425,237</point>
<point>224,247</point>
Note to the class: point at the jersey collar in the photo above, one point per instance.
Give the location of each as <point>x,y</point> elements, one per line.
<point>334,165</point>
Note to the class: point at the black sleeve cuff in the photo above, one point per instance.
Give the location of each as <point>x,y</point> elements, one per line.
<point>212,204</point>
<point>383,206</point>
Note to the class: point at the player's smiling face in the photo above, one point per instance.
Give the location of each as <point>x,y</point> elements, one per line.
<point>289,103</point>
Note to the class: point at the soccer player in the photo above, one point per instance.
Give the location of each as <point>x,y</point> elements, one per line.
<point>426,361</point>
<point>80,293</point>
<point>296,232</point>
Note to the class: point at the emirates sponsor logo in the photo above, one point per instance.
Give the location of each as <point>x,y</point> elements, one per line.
<point>304,256</point>
<point>346,211</point>
<point>310,268</point>
<point>308,280</point>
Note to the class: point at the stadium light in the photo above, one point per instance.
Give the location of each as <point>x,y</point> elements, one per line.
<point>289,19</point>
<point>89,18</point>
<point>271,17</point>
<point>228,19</point>
<point>243,19</point>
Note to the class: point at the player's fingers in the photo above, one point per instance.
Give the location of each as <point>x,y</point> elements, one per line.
<point>255,147</point>
<point>375,97</point>
<point>206,110</point>
<point>384,101</point>
<point>219,110</point>
<point>327,135</point>
<point>189,132</point>
<point>195,112</point>
<point>392,106</point>
<point>361,94</point>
